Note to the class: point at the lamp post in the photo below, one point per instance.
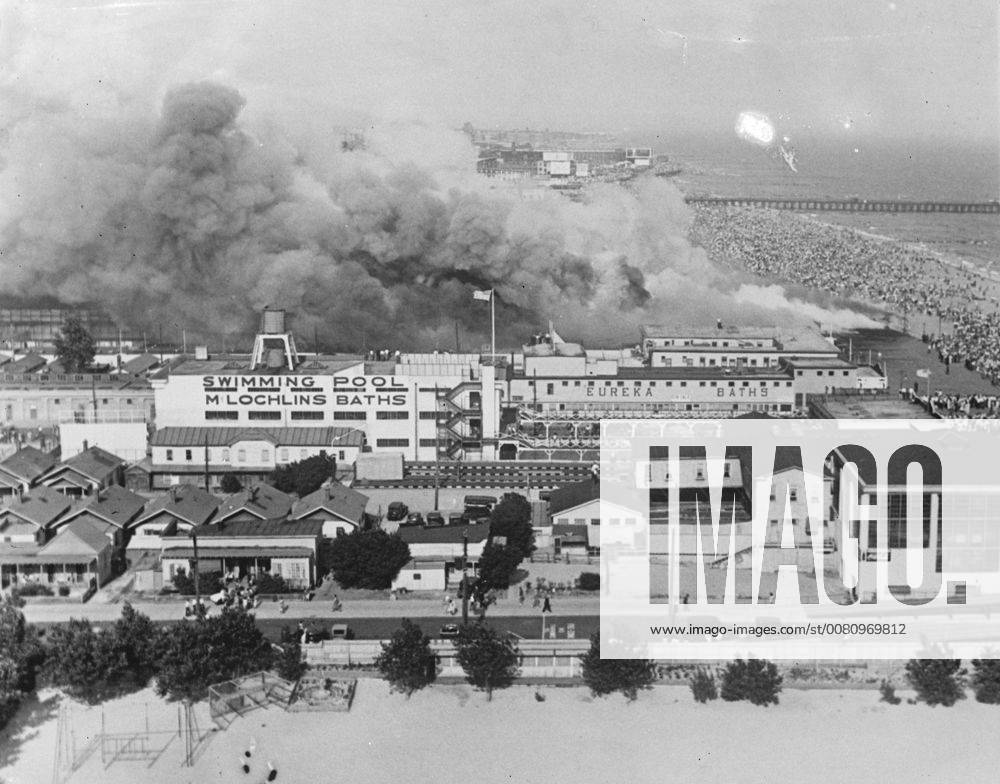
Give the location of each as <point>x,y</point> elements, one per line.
<point>197,590</point>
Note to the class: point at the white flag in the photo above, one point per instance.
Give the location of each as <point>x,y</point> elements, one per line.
<point>923,373</point>
<point>484,295</point>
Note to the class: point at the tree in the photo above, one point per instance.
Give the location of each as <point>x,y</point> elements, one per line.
<point>75,346</point>
<point>21,655</point>
<point>935,680</point>
<point>83,662</point>
<point>605,676</point>
<point>198,653</point>
<point>986,680</point>
<point>136,643</point>
<point>367,559</point>
<point>755,680</point>
<point>230,483</point>
<point>489,659</point>
<point>511,518</point>
<point>303,476</point>
<point>496,567</point>
<point>94,665</point>
<point>703,687</point>
<point>288,663</point>
<point>407,661</point>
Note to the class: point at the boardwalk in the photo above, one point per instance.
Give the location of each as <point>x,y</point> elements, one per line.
<point>849,205</point>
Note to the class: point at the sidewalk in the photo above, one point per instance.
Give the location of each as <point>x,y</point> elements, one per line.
<point>173,609</point>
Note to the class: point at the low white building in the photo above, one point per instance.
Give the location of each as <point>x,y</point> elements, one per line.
<point>422,576</point>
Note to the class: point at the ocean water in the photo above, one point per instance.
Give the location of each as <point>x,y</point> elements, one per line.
<point>840,168</point>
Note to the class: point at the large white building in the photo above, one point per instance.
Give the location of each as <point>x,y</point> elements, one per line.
<point>542,403</point>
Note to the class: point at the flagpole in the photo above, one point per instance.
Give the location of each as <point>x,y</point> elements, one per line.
<point>493,323</point>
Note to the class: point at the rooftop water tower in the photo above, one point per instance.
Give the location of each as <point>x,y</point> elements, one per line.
<point>274,346</point>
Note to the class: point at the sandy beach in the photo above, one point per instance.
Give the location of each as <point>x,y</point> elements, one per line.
<point>453,733</point>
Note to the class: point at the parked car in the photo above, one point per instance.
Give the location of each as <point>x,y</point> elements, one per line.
<point>456,518</point>
<point>435,518</point>
<point>341,631</point>
<point>397,511</point>
<point>449,630</point>
<point>414,518</point>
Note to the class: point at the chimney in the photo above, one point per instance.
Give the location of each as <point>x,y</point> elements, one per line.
<point>86,445</point>
<point>718,324</point>
<point>173,493</point>
<point>253,494</point>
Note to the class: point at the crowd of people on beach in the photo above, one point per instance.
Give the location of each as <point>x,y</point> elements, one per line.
<point>847,263</point>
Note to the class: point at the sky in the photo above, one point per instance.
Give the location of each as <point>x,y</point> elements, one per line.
<point>925,68</point>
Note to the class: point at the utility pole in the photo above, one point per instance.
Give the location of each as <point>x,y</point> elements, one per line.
<point>465,577</point>
<point>437,450</point>
<point>197,589</point>
<point>207,488</point>
<point>93,394</point>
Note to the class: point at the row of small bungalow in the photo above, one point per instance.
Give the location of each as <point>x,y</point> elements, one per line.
<point>65,523</point>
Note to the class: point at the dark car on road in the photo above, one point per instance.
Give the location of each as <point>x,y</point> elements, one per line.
<point>435,518</point>
<point>397,511</point>
<point>449,630</point>
<point>414,518</point>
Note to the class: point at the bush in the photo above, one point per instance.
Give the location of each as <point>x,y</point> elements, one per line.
<point>754,680</point>
<point>589,581</point>
<point>605,676</point>
<point>703,687</point>
<point>208,583</point>
<point>935,680</point>
<point>64,590</point>
<point>34,589</point>
<point>303,476</point>
<point>272,583</point>
<point>230,483</point>
<point>888,693</point>
<point>288,663</point>
<point>986,680</point>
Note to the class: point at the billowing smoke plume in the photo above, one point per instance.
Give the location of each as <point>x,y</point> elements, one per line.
<point>191,220</point>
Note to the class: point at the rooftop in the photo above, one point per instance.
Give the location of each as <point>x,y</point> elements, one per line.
<point>41,507</point>
<point>279,436</point>
<point>28,463</point>
<point>867,407</point>
<point>239,365</point>
<point>574,495</point>
<point>335,498</point>
<point>116,505</point>
<point>94,463</point>
<point>249,528</point>
<point>443,534</point>
<point>260,500</point>
<point>186,502</point>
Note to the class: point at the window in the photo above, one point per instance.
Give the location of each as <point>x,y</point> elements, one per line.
<point>793,494</point>
<point>264,415</point>
<point>128,401</point>
<point>350,415</point>
<point>392,442</point>
<point>392,414</point>
<point>303,454</point>
<point>222,415</point>
<point>32,413</point>
<point>265,455</point>
<point>341,455</point>
<point>170,454</point>
<point>56,401</point>
<point>416,576</point>
<point>241,455</point>
<point>283,455</point>
<point>725,470</point>
<point>225,455</point>
<point>187,455</point>
<point>550,389</point>
<point>429,414</point>
<point>104,401</point>
<point>424,442</point>
<point>299,415</point>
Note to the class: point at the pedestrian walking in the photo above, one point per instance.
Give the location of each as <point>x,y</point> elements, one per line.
<point>520,594</point>
<point>547,605</point>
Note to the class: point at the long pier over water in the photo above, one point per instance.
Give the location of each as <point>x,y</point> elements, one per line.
<point>849,205</point>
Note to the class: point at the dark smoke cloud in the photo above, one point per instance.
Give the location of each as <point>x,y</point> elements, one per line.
<point>191,220</point>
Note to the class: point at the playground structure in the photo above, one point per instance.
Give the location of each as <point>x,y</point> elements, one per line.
<point>324,689</point>
<point>237,697</point>
<point>135,740</point>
